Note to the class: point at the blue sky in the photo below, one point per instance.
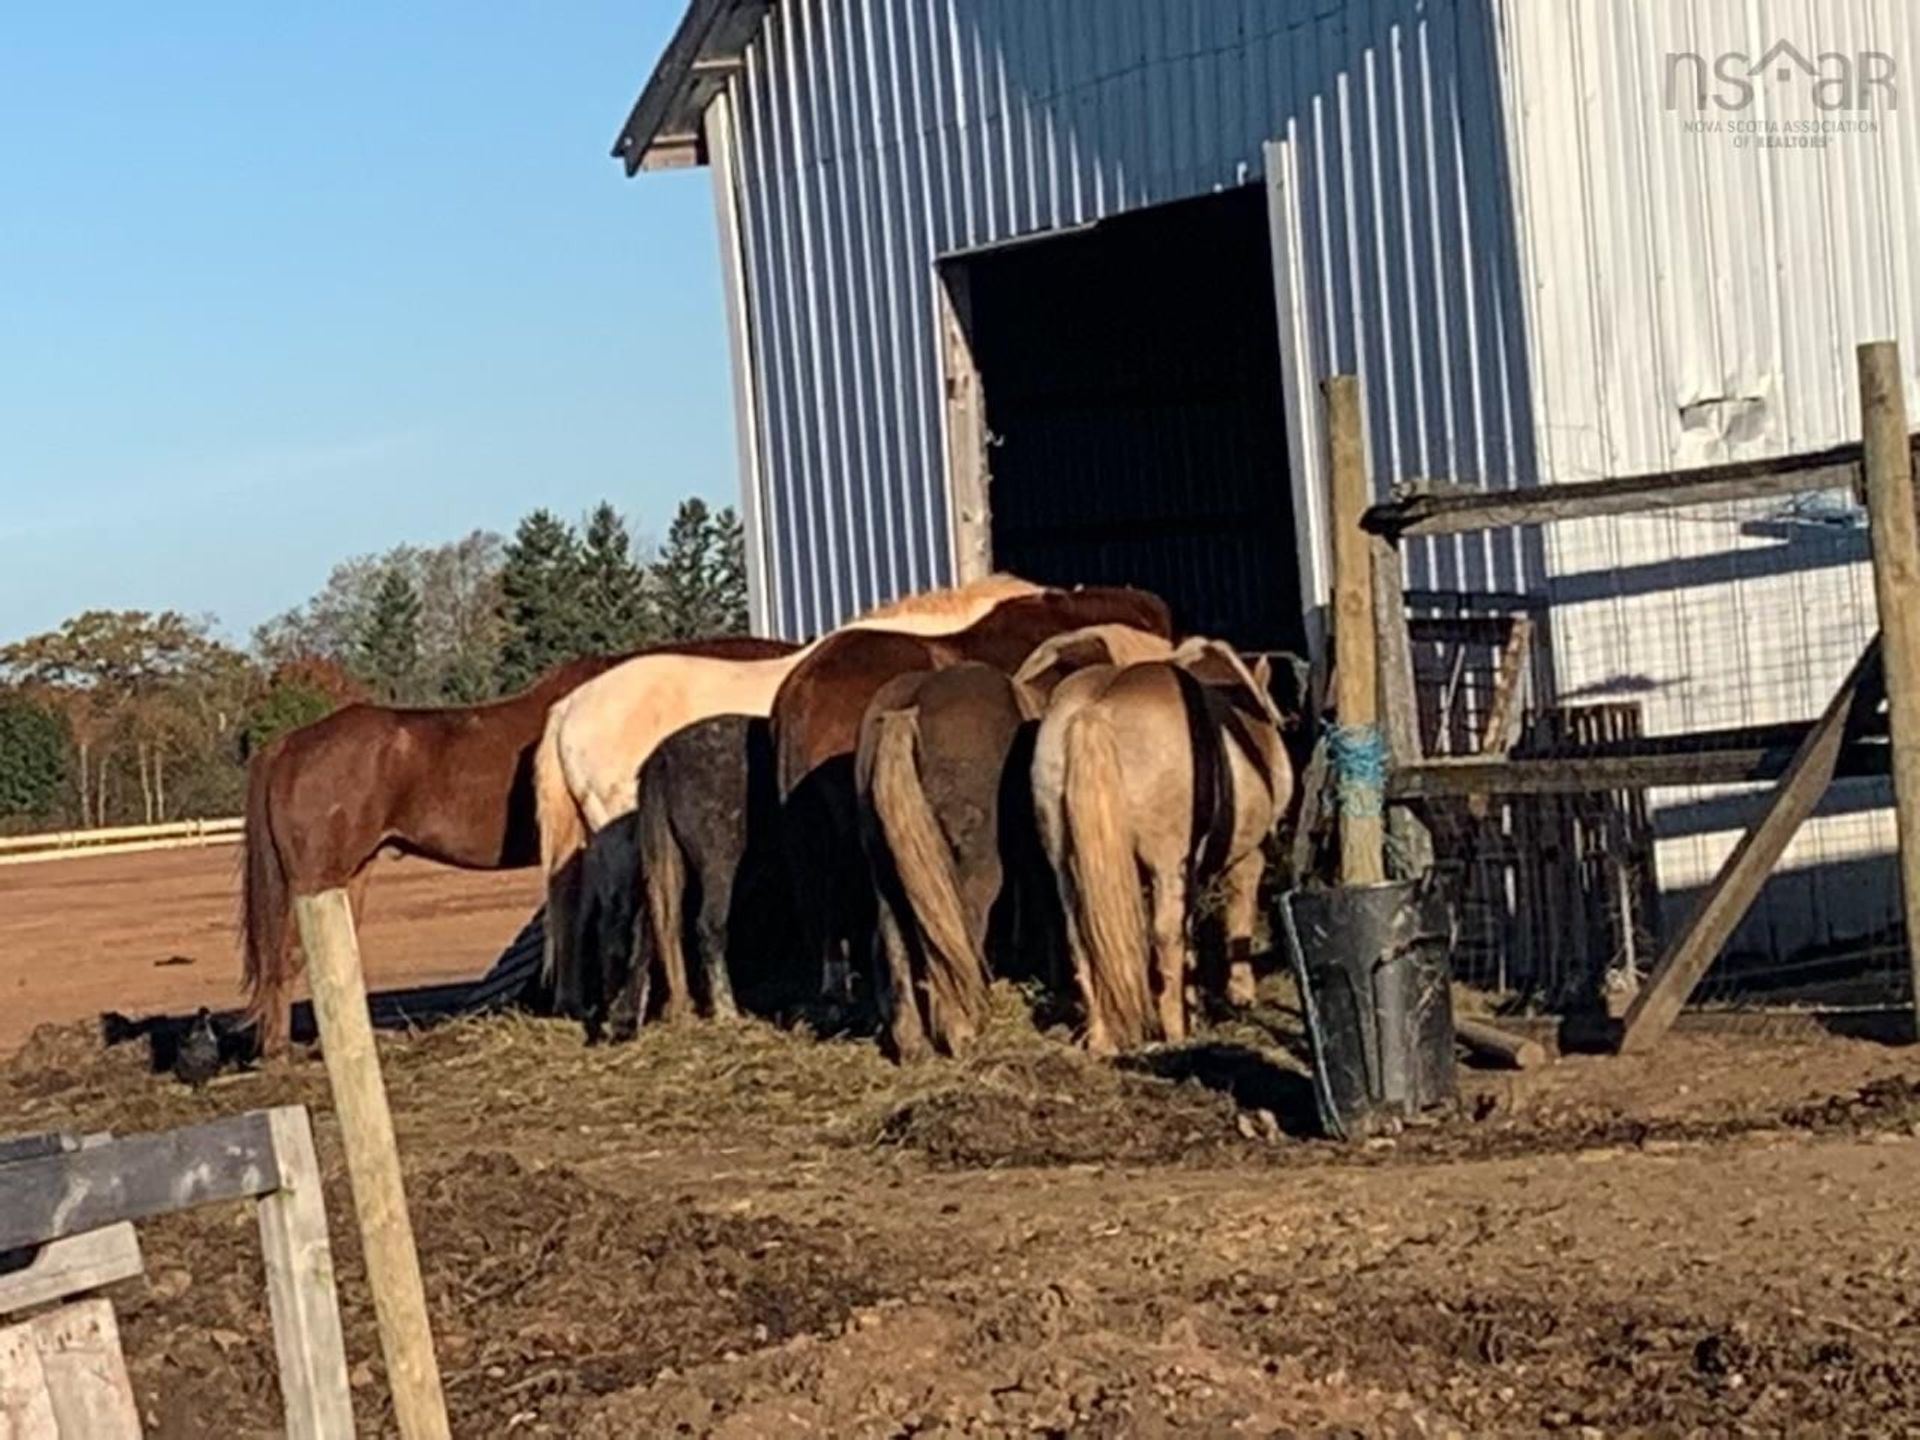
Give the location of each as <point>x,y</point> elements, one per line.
<point>283,284</point>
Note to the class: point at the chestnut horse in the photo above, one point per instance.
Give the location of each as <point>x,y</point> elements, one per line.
<point>453,785</point>
<point>816,729</point>
<point>587,764</point>
<point>1171,770</point>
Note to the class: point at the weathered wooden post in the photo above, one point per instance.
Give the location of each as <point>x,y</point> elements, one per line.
<point>1358,752</point>
<point>373,1162</point>
<point>1896,589</point>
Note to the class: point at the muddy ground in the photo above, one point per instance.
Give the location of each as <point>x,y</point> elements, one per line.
<point>741,1231</point>
<point>154,931</point>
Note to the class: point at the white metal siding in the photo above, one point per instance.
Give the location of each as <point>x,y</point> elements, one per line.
<point>877,135</point>
<point>1692,300</point>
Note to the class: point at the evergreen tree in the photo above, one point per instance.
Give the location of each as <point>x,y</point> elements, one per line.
<point>389,644</point>
<point>730,576</point>
<point>700,579</point>
<point>540,600</point>
<point>33,758</point>
<point>615,608</point>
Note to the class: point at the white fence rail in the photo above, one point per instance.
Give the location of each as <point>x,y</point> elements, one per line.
<point>118,840</point>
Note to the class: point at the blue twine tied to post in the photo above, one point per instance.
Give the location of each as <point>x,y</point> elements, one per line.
<point>1358,755</point>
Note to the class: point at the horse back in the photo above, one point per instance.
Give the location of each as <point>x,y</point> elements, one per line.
<point>817,712</point>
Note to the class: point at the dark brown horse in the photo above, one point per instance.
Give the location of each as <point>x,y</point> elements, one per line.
<point>453,785</point>
<point>710,877</point>
<point>816,727</point>
<point>932,773</point>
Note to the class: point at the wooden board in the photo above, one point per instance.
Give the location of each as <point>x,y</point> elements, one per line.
<point>1721,905</point>
<point>63,1377</point>
<point>1456,511</point>
<point>130,1179</point>
<point>71,1266</point>
<point>1447,776</point>
<point>300,1290</point>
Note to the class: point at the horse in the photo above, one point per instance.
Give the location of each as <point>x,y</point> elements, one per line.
<point>452,784</point>
<point>946,819</point>
<point>596,739</point>
<point>605,918</point>
<point>709,847</point>
<point>816,723</point>
<point>1066,654</point>
<point>1171,771</point>
<point>931,768</point>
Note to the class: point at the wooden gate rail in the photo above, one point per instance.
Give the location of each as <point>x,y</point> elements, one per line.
<point>72,1201</point>
<point>1848,740</point>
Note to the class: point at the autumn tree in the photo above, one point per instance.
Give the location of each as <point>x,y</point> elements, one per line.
<point>297,692</point>
<point>459,629</point>
<point>129,683</point>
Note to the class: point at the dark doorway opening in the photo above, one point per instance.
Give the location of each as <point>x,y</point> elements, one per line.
<point>1131,380</point>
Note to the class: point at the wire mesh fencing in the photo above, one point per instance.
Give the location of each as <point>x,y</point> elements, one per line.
<point>1737,621</point>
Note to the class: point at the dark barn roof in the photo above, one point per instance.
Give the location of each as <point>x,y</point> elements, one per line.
<point>664,129</point>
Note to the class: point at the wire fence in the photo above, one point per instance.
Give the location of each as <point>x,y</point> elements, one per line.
<point>1739,617</point>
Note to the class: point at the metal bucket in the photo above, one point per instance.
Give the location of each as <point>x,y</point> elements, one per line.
<point>1373,965</point>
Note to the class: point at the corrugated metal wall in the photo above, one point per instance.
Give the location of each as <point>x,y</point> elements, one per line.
<point>876,135</point>
<point>1696,295</point>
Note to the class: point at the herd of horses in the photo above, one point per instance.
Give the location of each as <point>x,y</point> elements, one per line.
<point>1002,778</point>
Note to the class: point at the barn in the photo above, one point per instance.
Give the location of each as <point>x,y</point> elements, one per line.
<point>1052,285</point>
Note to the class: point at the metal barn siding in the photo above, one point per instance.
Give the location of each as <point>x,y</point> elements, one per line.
<point>1694,299</point>
<point>873,136</point>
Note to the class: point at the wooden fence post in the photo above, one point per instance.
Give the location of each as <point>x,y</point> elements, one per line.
<point>373,1162</point>
<point>300,1291</point>
<point>1409,841</point>
<point>1896,589</point>
<point>1356,671</point>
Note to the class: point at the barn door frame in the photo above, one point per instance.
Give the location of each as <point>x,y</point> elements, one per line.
<point>963,419</point>
<point>1302,343</point>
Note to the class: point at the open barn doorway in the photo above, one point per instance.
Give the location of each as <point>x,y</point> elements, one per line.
<point>1130,402</point>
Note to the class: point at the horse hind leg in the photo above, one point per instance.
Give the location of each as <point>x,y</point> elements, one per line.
<point>1099,1030</point>
<point>562,922</point>
<point>1169,926</point>
<point>894,989</point>
<point>716,904</point>
<point>1241,900</point>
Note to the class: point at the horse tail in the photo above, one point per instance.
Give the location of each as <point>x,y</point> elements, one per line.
<point>1105,880</point>
<point>563,835</point>
<point>266,959</point>
<point>956,971</point>
<point>660,924</point>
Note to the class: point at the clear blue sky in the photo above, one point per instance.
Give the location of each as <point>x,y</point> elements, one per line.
<point>283,284</point>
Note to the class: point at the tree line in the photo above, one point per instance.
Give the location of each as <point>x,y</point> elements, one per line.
<point>130,717</point>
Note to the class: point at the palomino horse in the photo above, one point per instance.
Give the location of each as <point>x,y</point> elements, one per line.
<point>1053,660</point>
<point>453,785</point>
<point>946,815</point>
<point>1171,770</point>
<point>587,764</point>
<point>816,729</point>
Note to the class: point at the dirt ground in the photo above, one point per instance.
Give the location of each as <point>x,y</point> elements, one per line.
<point>746,1232</point>
<point>155,932</point>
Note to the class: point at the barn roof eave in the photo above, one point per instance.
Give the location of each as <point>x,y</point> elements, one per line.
<point>663,130</point>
